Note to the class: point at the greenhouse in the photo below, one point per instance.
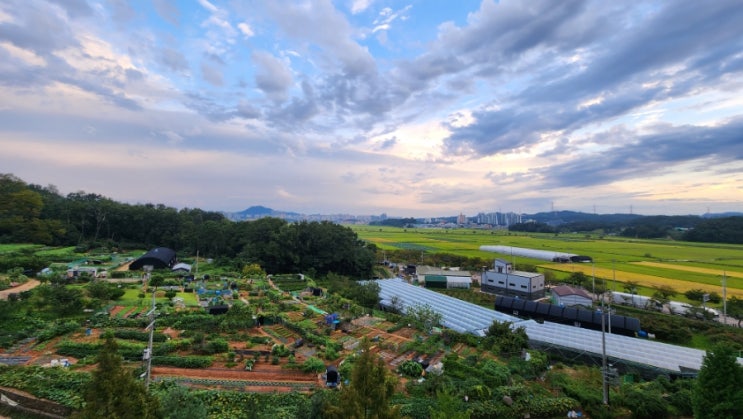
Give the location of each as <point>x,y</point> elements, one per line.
<point>458,315</point>
<point>465,317</point>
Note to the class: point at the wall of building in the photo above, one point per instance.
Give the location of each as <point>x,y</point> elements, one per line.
<point>513,284</point>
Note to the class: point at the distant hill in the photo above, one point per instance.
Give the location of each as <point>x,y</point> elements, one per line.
<point>258,211</point>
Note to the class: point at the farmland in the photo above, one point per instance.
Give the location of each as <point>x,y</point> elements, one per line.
<point>651,263</point>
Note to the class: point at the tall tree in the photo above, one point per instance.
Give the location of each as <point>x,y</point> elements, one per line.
<point>369,392</point>
<point>717,393</point>
<point>113,392</point>
<point>178,402</point>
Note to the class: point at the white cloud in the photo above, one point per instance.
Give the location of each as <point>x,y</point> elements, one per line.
<point>246,30</point>
<point>208,6</point>
<point>359,6</point>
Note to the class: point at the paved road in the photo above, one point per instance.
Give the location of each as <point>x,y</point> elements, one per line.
<point>31,283</point>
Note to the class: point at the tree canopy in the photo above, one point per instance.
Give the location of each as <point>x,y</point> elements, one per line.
<point>717,392</point>
<point>114,392</point>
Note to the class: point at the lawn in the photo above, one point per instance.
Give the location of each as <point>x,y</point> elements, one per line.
<point>131,298</point>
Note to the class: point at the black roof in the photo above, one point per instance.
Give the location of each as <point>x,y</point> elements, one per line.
<point>159,258</point>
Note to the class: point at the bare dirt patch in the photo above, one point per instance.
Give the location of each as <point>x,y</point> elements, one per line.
<point>30,284</point>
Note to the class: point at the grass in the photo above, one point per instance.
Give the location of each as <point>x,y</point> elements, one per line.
<point>131,298</point>
<point>651,263</point>
<point>16,247</point>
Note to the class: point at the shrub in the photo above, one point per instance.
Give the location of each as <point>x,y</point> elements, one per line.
<point>410,369</point>
<point>313,364</point>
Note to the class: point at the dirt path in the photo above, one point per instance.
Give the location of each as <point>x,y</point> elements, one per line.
<point>30,284</point>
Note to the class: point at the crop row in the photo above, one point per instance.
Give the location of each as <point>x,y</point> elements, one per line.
<point>210,382</point>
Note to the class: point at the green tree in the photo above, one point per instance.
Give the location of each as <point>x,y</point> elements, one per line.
<point>178,402</point>
<point>663,293</point>
<point>449,406</point>
<point>579,278</point>
<point>717,393</point>
<point>370,391</point>
<point>422,317</point>
<point>735,308</point>
<point>113,392</point>
<point>503,338</point>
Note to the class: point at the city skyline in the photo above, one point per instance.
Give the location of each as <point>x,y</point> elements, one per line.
<point>414,109</point>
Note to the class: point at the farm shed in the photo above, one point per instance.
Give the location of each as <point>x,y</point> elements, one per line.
<point>181,267</point>
<point>332,377</point>
<point>159,258</point>
<point>567,296</point>
<point>444,278</point>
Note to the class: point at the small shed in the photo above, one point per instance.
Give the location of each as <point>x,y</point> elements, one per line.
<point>181,268</point>
<point>332,377</point>
<point>567,296</point>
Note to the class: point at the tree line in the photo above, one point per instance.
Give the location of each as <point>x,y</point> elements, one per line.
<point>687,227</point>
<point>36,214</point>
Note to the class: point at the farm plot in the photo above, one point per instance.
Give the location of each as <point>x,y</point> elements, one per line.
<point>263,378</point>
<point>644,280</point>
<point>694,269</point>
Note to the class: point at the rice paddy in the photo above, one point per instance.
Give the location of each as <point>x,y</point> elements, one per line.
<point>650,263</point>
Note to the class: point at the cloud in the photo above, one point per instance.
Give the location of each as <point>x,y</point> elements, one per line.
<point>273,76</point>
<point>358,6</point>
<point>657,152</point>
<point>173,59</point>
<point>212,74</point>
<point>246,30</point>
<point>168,10</point>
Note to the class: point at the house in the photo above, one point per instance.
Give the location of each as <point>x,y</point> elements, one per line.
<point>567,296</point>
<point>504,280</point>
<point>78,271</point>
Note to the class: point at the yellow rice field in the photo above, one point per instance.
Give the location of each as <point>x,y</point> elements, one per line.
<point>643,280</point>
<point>690,269</point>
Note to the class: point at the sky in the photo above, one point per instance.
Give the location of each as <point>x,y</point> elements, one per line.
<point>418,108</point>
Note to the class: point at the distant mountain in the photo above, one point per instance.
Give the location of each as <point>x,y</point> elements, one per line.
<point>723,215</point>
<point>258,211</point>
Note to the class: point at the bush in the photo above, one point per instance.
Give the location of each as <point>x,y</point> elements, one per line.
<point>183,361</point>
<point>410,369</point>
<point>313,364</point>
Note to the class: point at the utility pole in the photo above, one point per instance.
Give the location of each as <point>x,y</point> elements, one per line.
<point>604,366</point>
<point>147,357</point>
<point>724,299</point>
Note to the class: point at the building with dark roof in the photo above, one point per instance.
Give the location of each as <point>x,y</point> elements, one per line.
<point>158,258</point>
<point>567,296</point>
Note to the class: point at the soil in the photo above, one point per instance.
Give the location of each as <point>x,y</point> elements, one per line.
<point>31,283</point>
<point>264,378</point>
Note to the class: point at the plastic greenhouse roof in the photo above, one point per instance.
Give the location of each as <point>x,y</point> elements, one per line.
<point>458,315</point>
<point>465,317</point>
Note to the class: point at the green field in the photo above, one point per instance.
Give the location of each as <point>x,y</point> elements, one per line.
<point>683,265</point>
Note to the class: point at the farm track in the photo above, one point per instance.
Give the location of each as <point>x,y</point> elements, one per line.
<point>30,284</point>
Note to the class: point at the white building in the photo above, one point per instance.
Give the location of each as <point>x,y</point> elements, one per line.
<point>503,280</point>
<point>568,296</point>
